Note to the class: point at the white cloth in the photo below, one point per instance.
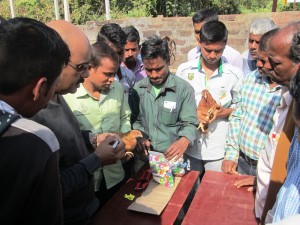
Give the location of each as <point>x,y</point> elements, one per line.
<point>230,55</point>
<point>265,161</point>
<point>7,108</point>
<point>224,88</point>
<point>291,220</point>
<point>249,64</point>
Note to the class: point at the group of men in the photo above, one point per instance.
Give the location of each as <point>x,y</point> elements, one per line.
<point>61,164</point>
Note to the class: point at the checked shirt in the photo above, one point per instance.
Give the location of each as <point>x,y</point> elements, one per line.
<point>252,119</point>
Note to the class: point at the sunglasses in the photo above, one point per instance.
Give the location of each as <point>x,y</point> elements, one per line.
<point>80,68</point>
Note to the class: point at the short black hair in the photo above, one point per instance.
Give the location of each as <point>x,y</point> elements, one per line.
<point>154,47</point>
<point>114,33</point>
<point>294,86</point>
<point>101,50</point>
<point>263,42</point>
<point>29,50</point>
<point>206,14</point>
<point>132,34</point>
<point>213,31</point>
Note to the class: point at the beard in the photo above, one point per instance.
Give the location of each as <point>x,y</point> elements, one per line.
<point>130,62</point>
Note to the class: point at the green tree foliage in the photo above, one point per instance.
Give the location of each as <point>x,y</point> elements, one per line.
<point>42,10</point>
<point>250,6</point>
<point>85,10</point>
<point>131,8</point>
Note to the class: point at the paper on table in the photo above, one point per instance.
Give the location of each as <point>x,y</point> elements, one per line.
<point>155,198</point>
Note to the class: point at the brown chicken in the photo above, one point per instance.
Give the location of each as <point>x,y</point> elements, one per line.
<point>207,107</point>
<point>130,140</point>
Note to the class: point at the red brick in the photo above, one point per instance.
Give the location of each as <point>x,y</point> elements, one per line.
<point>149,33</point>
<point>165,33</point>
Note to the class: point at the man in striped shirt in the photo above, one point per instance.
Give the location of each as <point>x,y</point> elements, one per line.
<point>251,121</point>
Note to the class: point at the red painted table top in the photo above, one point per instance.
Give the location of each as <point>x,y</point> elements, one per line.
<point>218,202</point>
<point>115,211</point>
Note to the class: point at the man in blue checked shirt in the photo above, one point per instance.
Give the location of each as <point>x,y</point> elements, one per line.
<point>252,119</point>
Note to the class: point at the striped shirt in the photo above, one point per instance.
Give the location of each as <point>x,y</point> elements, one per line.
<point>288,198</point>
<point>251,120</point>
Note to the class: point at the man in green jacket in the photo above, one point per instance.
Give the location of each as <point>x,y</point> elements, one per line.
<point>163,106</point>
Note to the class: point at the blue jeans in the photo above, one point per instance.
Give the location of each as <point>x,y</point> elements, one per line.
<point>246,168</point>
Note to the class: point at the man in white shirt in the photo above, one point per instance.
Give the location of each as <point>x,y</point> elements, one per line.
<point>285,63</point>
<point>223,81</point>
<point>230,55</point>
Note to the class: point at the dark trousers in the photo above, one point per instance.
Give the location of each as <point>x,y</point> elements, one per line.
<point>245,168</point>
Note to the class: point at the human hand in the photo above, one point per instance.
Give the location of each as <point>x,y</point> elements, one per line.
<point>176,150</point>
<point>247,181</point>
<point>214,115</point>
<point>105,151</point>
<point>143,145</point>
<point>103,136</point>
<point>229,167</point>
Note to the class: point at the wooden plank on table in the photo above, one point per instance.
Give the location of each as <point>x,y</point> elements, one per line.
<point>217,202</point>
<point>115,211</point>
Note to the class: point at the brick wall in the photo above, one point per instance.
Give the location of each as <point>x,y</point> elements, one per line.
<point>181,31</point>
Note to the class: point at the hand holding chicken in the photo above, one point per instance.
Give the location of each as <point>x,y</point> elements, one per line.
<point>206,110</point>
<point>130,140</point>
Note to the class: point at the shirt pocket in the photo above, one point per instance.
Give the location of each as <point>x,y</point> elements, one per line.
<point>81,110</point>
<point>168,116</point>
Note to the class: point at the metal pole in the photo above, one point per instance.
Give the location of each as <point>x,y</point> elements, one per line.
<point>56,9</point>
<point>107,9</point>
<point>66,10</point>
<point>12,8</point>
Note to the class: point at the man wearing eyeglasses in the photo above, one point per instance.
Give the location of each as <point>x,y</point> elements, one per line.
<point>77,162</point>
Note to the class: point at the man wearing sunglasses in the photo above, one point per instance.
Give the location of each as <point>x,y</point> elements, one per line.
<point>77,162</point>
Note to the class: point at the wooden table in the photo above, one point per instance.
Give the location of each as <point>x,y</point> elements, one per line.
<point>115,211</point>
<point>218,202</point>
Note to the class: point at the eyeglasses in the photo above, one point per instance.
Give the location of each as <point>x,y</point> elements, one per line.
<point>80,68</point>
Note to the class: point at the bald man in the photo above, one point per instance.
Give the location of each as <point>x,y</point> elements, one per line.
<point>284,66</point>
<point>77,158</point>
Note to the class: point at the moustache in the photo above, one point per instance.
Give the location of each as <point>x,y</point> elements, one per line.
<point>130,59</point>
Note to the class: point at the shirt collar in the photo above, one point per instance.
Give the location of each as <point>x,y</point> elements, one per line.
<point>169,84</point>
<point>265,81</point>
<point>81,91</point>
<point>220,69</point>
<point>286,96</point>
<point>139,65</point>
<point>7,108</point>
